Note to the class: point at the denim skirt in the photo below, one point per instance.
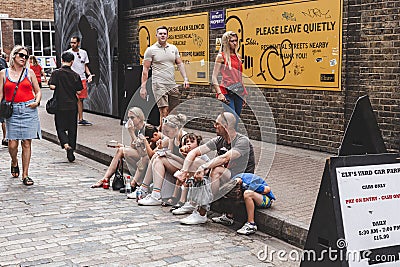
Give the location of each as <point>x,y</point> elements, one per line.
<point>24,123</point>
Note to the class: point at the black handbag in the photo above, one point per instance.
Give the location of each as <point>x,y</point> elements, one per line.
<point>119,180</point>
<point>51,105</point>
<point>236,88</point>
<point>6,108</point>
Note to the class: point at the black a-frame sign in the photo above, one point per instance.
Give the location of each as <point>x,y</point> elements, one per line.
<point>326,243</point>
<point>362,135</point>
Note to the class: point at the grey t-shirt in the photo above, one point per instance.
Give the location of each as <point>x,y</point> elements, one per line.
<point>241,143</point>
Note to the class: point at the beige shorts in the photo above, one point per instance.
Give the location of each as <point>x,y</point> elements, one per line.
<point>166,95</point>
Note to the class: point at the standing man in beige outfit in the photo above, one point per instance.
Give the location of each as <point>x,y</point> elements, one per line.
<point>162,57</point>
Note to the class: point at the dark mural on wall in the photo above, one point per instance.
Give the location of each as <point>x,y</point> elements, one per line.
<point>96,22</point>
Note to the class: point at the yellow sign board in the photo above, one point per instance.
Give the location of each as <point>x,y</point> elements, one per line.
<point>291,44</point>
<point>189,33</point>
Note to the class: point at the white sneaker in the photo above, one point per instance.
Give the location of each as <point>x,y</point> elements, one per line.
<point>131,195</point>
<point>149,201</point>
<point>247,229</point>
<point>187,208</point>
<point>194,218</point>
<point>140,194</point>
<point>223,220</point>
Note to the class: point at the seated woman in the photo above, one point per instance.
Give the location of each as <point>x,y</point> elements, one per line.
<point>170,161</point>
<point>172,129</point>
<point>143,143</point>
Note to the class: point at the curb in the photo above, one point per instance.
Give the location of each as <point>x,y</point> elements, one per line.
<point>272,224</point>
<point>267,221</point>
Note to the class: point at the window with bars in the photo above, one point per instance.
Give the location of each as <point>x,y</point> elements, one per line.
<point>36,35</point>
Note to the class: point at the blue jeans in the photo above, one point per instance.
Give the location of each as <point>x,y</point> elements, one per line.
<point>235,105</point>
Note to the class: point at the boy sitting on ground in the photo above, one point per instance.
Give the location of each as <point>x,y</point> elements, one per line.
<point>256,193</point>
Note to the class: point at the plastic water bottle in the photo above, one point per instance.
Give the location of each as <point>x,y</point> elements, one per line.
<point>128,184</point>
<point>138,194</point>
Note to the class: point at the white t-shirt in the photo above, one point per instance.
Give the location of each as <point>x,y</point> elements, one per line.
<point>81,58</point>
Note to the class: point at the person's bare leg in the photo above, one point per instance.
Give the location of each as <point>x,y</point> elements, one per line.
<point>3,128</point>
<point>164,111</point>
<point>250,198</point>
<point>114,163</point>
<point>80,109</point>
<point>184,194</point>
<point>218,176</point>
<point>13,151</point>
<point>148,178</point>
<point>177,188</point>
<point>26,157</point>
<point>139,173</point>
<point>158,173</point>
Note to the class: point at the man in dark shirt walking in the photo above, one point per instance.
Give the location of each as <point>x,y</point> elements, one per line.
<point>66,84</point>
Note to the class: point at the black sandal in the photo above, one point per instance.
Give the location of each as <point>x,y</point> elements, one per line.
<point>177,206</point>
<point>15,171</point>
<point>27,181</point>
<point>169,202</point>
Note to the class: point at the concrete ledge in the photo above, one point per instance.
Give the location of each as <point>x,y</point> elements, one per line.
<point>271,223</point>
<point>268,221</point>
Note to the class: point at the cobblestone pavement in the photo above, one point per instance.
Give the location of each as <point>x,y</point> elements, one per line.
<point>60,221</point>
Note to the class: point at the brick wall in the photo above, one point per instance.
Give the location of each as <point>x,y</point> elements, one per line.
<point>30,9</point>
<point>7,35</point>
<point>306,118</point>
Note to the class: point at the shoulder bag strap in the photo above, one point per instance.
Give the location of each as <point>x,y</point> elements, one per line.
<point>121,166</point>
<point>16,87</point>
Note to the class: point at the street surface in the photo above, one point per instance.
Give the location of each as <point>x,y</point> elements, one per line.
<point>61,221</point>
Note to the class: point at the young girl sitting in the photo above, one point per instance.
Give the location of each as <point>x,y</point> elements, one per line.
<point>190,141</point>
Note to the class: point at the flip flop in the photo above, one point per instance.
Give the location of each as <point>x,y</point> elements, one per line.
<point>27,181</point>
<point>15,171</point>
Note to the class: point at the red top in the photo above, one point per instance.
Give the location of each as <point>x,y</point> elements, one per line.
<point>38,72</point>
<point>24,92</point>
<point>233,75</point>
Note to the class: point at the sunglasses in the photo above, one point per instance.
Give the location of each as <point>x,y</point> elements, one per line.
<point>79,56</point>
<point>166,121</point>
<point>23,55</point>
<point>224,120</point>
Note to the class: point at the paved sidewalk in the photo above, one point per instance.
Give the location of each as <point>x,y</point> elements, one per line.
<point>294,175</point>
<point>61,221</point>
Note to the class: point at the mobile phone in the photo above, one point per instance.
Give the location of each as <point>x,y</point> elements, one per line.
<point>112,143</point>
